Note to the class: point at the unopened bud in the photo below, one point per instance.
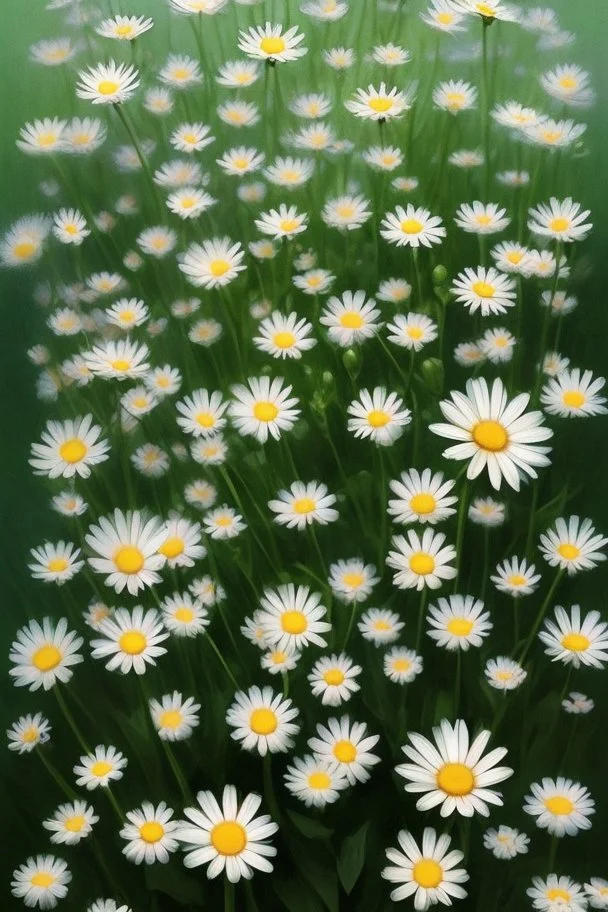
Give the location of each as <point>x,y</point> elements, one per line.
<point>352,362</point>
<point>439,275</point>
<point>433,373</point>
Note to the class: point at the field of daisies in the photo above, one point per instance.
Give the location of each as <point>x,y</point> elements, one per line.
<point>311,626</point>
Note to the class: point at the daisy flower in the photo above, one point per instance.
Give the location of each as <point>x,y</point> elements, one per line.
<point>41,881</point>
<point>290,172</point>
<point>205,332</point>
<point>284,336</point>
<point>227,838</point>
<point>383,158</point>
<point>191,137</point>
<point>304,504</point>
<point>150,834</point>
<point>504,674</point>
<point>484,511</point>
<point>556,893</point>
<point>28,732</point>
<point>378,415</point>
<point>350,318</point>
<point>412,331</point>
<point>312,106</point>
<point>453,772</point>
<point>202,494</point>
<point>150,460</point>
<point>189,202</point>
<point>572,544</point>
<point>277,661</point>
<point>182,545</point>
<point>97,770</point>
<point>263,408</point>
<point>238,74</point>
<point>466,158</point>
<point>380,626</point>
<point>574,394</point>
<point>480,218</point>
<point>212,451</point>
<point>489,11</point>
<point>390,54</point>
<point>569,84</point>
<point>315,781</point>
<point>240,160</point>
<point>429,873</point>
<point>158,101</point>
<point>262,721</point>
<point>348,745</point>
<point>117,360</point>
<point>213,264</point>
<point>402,665</point>
<point>43,654</point>
<point>42,137</point>
<point>202,413</point>
<point>576,704</point>
<point>174,717</point>
<point>412,227</point>
<point>124,28</point>
<point>314,281</point>
<point>109,83</point>
<point>347,212</point>
<point>184,616</point>
<point>282,222</point>
<point>333,678</point>
<point>180,71</point>
<point>127,313</point>
<point>223,523</point>
<point>70,227</point>
<point>271,43</point>
<point>561,220</point>
<point>493,433</point>
<point>130,640</point>
<point>53,53</point>
<point>71,822</point>
<point>575,642</point>
<point>239,114</point>
<point>352,580</point>
<point>516,577</point>
<point>291,617</point>
<point>560,806</point>
<point>505,842</point>
<point>455,96</point>
<point>395,291</point>
<point>127,545</point>
<point>84,135</point>
<point>559,301</point>
<point>514,115</point>
<point>325,10</point>
<point>421,561</point>
<point>339,58</point>
<point>157,241</point>
<point>421,497</point>
<point>442,15</point>
<point>23,243</point>
<point>69,448</point>
<point>458,622</point>
<point>497,345</point>
<point>554,134</point>
<point>179,173</point>
<point>596,892</point>
<point>378,104</point>
<point>65,322</point>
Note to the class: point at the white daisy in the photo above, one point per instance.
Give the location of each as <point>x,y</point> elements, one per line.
<point>264,407</point>
<point>180,72</point>
<point>238,74</point>
<point>572,544</point>
<point>352,580</point>
<point>41,881</point>
<point>271,43</point>
<point>505,842</point>
<point>481,218</point>
<point>97,770</point>
<point>183,615</point>
<point>69,448</point>
<point>458,622</point>
<point>596,892</point>
<point>429,873</point>
<point>174,717</point>
<point>574,393</point>
<point>560,806</point>
<point>201,494</point>
<point>117,360</point>
<point>127,547</point>
<point>484,511</point>
<point>189,202</point>
<point>421,497</point>
<point>43,654</point>
<point>412,227</point>
<point>109,83</point>
<point>486,290</point>
<point>561,220</point>
<point>42,137</point>
<point>292,617</point>
<point>378,104</point>
<point>223,523</point>
<point>455,96</point>
<point>378,415</point>
<point>262,721</point>
<point>333,678</point>
<point>70,227</point>
<point>442,15</point>
<point>556,894</point>
<point>380,626</point>
<point>395,291</point>
<point>421,561</point>
<point>347,744</point>
<point>412,331</point>
<point>191,137</point>
<point>504,674</point>
<point>577,703</point>
<point>516,577</point>
<point>574,641</point>
<point>150,834</point>
<point>130,640</point>
<point>202,413</point>
<point>285,221</point>
<point>314,781</point>
<point>28,732</point>
<point>304,504</point>
<point>402,665</point>
<point>284,336</point>
<point>71,822</point>
<point>150,460</point>
<point>350,318</point>
<point>214,263</point>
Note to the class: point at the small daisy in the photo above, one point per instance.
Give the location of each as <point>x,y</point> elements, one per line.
<point>516,577</point>
<point>559,301</point>
<point>127,313</point>
<point>96,613</point>
<point>412,331</point>
<point>158,101</point>
<point>458,622</point>
<point>69,448</point>
<point>202,413</point>
<point>189,202</point>
<point>55,563</point>
<point>339,58</point>
<point>239,114</point>
<point>138,401</point>
<point>191,137</point>
<point>347,212</point>
<point>489,10</point>
<point>262,721</point>
<point>23,243</point>
<point>150,460</point>
<point>279,662</point>
<point>282,222</point>
<point>157,241</point>
<point>569,84</point>
<point>442,15</point>
<point>506,842</point>
<point>412,227</point>
<point>453,772</point>
<point>466,158</point>
<point>575,642</point>
<point>378,104</point>
<point>576,704</point>
<point>554,134</point>
<point>350,318</point>
<point>108,83</point>
<point>251,193</point>
<point>65,322</point>
<point>127,545</point>
<point>205,332</point>
<point>97,770</point>
<point>304,504</point>
<point>124,28</point>
<point>284,336</point>
<point>378,415</point>
<point>212,451</point>
<point>421,561</point>
<point>455,96</point>
<point>117,360</point>
<point>484,511</point>
<point>395,291</point>
<point>429,874</point>
<point>240,160</point>
<point>71,822</point>
<point>182,546</point>
<point>497,345</point>
<point>493,433</point>
<point>238,74</point>
<point>380,626</point>
<point>312,107</point>
<point>84,135</point>
<point>53,53</point>
<point>263,408</point>
<point>561,220</point>
<point>383,158</point>
<point>41,881</point>
<point>348,745</point>
<point>405,184</point>
<point>291,617</point>
<point>214,263</point>
<point>572,544</point>
<point>560,806</point>
<point>315,781</point>
<point>224,523</point>
<point>227,838</point>
<point>290,172</point>
<point>481,219</point>
<point>263,250</point>
<point>352,580</point>
<point>513,178</point>
<point>180,72</point>
<point>70,227</point>
<point>178,173</point>
<point>174,717</point>
<point>184,616</point>
<point>42,137</point>
<point>202,494</point>
<point>402,665</point>
<point>43,655</point>
<point>557,893</point>
<point>130,640</point>
<point>325,10</point>
<point>333,678</point>
<point>574,393</point>
<point>271,43</point>
<point>421,497</point>
<point>28,732</point>
<point>150,834</point>
<point>504,674</point>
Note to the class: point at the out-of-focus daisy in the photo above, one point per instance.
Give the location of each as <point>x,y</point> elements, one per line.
<point>56,563</point>
<point>262,721</point>
<point>71,822</point>
<point>516,577</point>
<point>237,74</point>
<point>178,174</point>
<point>421,561</point>
<point>28,732</point>
<point>214,263</point>
<point>576,642</point>
<point>189,202</point>
<point>54,52</point>
<point>427,873</point>
<point>96,613</point>
<point>127,313</point>
<point>339,58</point>
<point>325,10</point>
<point>263,250</point>
<point>127,548</point>
<point>513,178</point>
<point>559,302</point>
<point>596,892</point>
<point>69,504</point>
<point>383,158</point>
<point>284,336</point>
<point>395,291</point>
<point>421,497</point>
<point>202,494</point>
<point>402,665</point>
<point>98,769</point>
<point>42,881</point>
<point>69,448</point>
<point>458,622</point>
<point>347,744</point>
<point>484,511</point>
<point>124,28</point>
<point>289,172</point>
<point>211,451</point>
<point>315,781</point>
<point>560,806</point>
<point>312,106</point>
<point>380,626</point>
<point>455,96</point>
<point>205,332</point>
<point>70,227</point>
<point>412,331</point>
<point>239,113</point>
<point>554,134</point>
<point>514,115</point>
<point>378,415</point>
<point>505,842</point>
<point>378,104</point>
<point>285,221</point>
<point>569,84</point>
<point>292,617</point>
<point>504,674</point>
<point>577,704</point>
<point>346,212</point>
<point>556,893</point>
<point>442,15</point>
<point>150,834</point>
<point>352,580</point>
<point>304,504</point>
<point>454,772</point>
<point>174,717</point>
<point>510,256</point>
<point>333,678</point>
<point>489,11</point>
<point>264,407</point>
<point>182,545</point>
<point>574,393</point>
<point>130,640</point>
<point>493,433</point>
<point>405,184</point>
<point>390,54</point>
<point>158,101</point>
<point>227,838</point>
<point>65,322</point>
<point>42,137</point>
<point>240,160</point>
<point>157,241</point>
<point>138,401</point>
<point>497,345</point>
<point>150,460</point>
<point>561,220</point>
<point>350,318</point>
<point>466,158</point>
<point>180,72</point>
<point>201,7</point>
<point>191,137</point>
<point>109,83</point>
<point>277,661</point>
<point>412,227</point>
<point>23,242</point>
<point>481,218</point>
<point>105,283</point>
<point>223,523</point>
<point>183,615</point>
<point>572,544</point>
<point>117,360</point>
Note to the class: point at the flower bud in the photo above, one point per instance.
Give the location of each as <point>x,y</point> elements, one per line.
<point>433,373</point>
<point>439,275</point>
<point>352,362</point>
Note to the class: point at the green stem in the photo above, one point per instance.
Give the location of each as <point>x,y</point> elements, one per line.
<point>222,661</point>
<point>540,615</point>
<point>462,513</point>
<point>545,330</point>
<point>421,616</point>
<point>228,896</point>
<point>269,787</point>
<point>58,778</point>
<point>485,107</point>
<point>70,720</point>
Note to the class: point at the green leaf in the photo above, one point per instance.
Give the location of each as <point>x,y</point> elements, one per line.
<point>174,882</point>
<point>312,829</point>
<point>297,897</point>
<point>352,858</point>
<point>322,878</point>
<point>443,706</point>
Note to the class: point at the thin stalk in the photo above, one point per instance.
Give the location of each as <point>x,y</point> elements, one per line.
<point>421,616</point>
<point>540,615</point>
<point>70,720</point>
<point>222,661</point>
<point>485,107</point>
<point>462,513</point>
<point>56,776</point>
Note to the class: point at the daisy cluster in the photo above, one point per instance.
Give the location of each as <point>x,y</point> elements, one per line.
<point>305,371</point>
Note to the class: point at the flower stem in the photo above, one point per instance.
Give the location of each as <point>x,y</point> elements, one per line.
<point>540,615</point>
<point>63,785</point>
<point>71,721</point>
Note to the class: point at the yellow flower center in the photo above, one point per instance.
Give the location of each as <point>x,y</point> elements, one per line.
<point>57,565</point>
<point>319,781</point>
<point>559,224</point>
<point>74,824</point>
<point>483,289</point>
<point>263,721</point>
<point>133,642</point>
<point>345,211</point>
<point>284,339</point>
<point>455,99</point>
<point>121,364</point>
<point>414,332</point>
<point>183,614</point>
<point>422,563</point>
<point>490,435</point>
<point>151,831</point>
<point>515,257</point>
<point>224,521</point>
<point>272,46</point>
<point>101,768</point>
<point>289,176</point>
<point>108,87</point>
<point>228,838</point>
<point>123,31</point>
<point>573,398</point>
<point>445,18</point>
<point>427,873</point>
<point>46,658</point>
<point>503,675</point>
<point>460,627</point>
<point>265,411</point>
<point>42,879</point>
<point>568,82</point>
<point>171,718</point>
<point>354,579</point>
<point>125,316</point>
<point>517,580</point>
<point>455,779</point>
<point>293,622</point>
<point>382,626</point>
<point>47,139</point>
<point>344,751</point>
<point>484,10</point>
<point>557,893</point>
<point>289,225</point>
<point>187,202</point>
<point>181,73</point>
<point>172,547</point>
<point>378,418</point>
<point>30,734</point>
<point>576,642</point>
<point>380,105</point>
<point>304,505</point>
<point>483,219</point>
<point>219,267</point>
<point>351,320</point>
<point>24,250</point>
<point>422,503</point>
<point>129,559</point>
<point>313,281</point>
<point>401,664</point>
<point>140,402</point>
<point>411,226</point>
<point>568,551</point>
<point>559,805</point>
<point>334,677</point>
